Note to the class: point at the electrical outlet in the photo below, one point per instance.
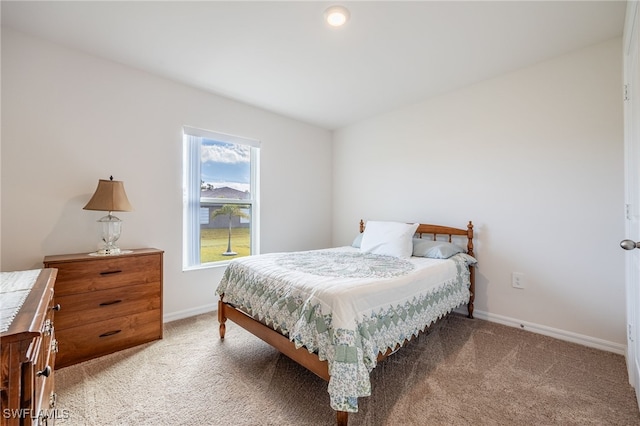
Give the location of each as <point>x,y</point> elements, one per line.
<point>517,280</point>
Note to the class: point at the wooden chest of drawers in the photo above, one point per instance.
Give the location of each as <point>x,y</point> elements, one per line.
<point>109,302</point>
<point>28,355</point>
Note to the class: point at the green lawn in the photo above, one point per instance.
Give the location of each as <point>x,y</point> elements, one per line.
<point>213,242</point>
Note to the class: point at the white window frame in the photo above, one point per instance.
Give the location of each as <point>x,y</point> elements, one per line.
<point>192,142</point>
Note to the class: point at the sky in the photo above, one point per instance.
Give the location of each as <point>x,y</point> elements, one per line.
<point>226,164</point>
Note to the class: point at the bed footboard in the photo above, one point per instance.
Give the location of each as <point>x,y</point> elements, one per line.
<point>281,343</point>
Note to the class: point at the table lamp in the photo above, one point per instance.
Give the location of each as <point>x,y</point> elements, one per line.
<point>109,197</point>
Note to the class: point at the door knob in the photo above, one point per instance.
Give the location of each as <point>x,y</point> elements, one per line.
<point>629,244</point>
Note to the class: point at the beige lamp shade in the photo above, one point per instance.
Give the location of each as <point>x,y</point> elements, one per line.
<point>109,197</point>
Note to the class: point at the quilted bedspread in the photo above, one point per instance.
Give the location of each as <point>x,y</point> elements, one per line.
<point>346,305</point>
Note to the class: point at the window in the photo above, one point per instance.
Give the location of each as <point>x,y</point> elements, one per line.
<point>220,197</point>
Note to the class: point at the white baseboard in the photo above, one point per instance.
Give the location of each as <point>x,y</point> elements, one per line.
<point>186,313</point>
<point>568,336</point>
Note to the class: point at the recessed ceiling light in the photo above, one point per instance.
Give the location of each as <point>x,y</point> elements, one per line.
<point>336,16</point>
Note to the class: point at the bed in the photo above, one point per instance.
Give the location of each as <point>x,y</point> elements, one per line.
<point>340,311</point>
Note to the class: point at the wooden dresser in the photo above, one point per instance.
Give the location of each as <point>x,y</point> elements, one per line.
<point>110,302</point>
<point>29,348</point>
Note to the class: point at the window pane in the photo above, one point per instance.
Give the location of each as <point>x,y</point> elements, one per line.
<point>227,234</point>
<point>225,174</point>
<point>225,170</point>
<point>220,197</point>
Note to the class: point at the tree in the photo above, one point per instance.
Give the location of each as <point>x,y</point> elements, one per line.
<point>230,210</point>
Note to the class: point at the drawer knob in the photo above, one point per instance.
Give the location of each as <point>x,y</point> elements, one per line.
<point>110,333</point>
<point>46,372</point>
<point>56,307</point>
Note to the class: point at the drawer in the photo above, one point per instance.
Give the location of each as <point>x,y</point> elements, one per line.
<point>104,273</point>
<point>84,308</point>
<point>89,341</point>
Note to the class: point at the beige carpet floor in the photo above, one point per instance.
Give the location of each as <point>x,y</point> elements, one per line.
<point>464,372</point>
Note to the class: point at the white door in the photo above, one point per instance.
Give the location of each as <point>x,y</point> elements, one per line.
<point>632,188</point>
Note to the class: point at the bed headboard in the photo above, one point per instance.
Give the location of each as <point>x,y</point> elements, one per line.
<point>436,230</point>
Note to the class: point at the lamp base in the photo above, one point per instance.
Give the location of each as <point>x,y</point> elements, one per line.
<point>111,229</point>
<point>109,251</point>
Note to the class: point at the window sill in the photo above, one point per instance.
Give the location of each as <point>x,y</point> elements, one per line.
<point>215,265</point>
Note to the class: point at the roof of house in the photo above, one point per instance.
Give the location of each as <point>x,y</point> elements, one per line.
<point>224,192</point>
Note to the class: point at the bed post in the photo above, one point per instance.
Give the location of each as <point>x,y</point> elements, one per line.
<point>470,238</point>
<point>472,271</point>
<point>222,317</point>
<point>472,291</point>
<point>342,418</point>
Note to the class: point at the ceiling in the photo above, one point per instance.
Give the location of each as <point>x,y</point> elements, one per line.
<point>282,57</point>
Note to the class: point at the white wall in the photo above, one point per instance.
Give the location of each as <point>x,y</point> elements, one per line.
<point>535,159</point>
<point>69,119</point>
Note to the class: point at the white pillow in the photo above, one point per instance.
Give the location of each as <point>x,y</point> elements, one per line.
<point>388,238</point>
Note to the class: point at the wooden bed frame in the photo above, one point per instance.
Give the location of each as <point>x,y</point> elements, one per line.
<point>310,360</point>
